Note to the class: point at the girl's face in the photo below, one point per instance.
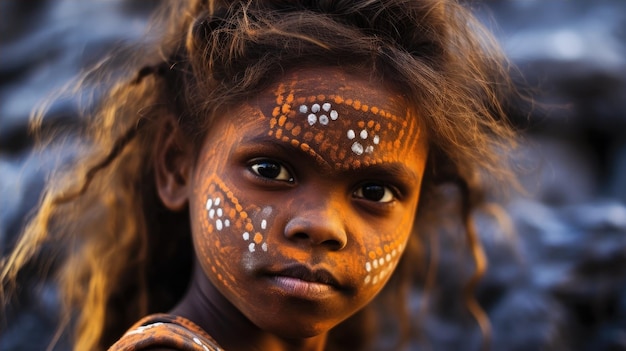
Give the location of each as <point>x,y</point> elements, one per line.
<point>303,199</point>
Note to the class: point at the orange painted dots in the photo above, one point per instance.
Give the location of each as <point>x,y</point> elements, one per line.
<point>296,131</point>
<point>258,237</point>
<point>281,120</point>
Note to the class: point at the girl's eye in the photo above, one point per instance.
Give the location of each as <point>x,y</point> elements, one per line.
<point>375,192</point>
<point>272,170</point>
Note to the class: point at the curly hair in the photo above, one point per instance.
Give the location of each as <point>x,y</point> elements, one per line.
<point>125,251</point>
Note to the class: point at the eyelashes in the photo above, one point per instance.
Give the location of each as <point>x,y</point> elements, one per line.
<point>375,192</point>
<point>271,170</point>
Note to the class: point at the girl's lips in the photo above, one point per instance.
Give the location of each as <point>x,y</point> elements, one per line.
<point>301,288</point>
<point>300,281</point>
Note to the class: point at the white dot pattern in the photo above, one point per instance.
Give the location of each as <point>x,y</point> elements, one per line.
<point>216,213</point>
<point>379,268</point>
<point>358,147</point>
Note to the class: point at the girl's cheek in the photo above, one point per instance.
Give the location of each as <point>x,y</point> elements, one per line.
<point>226,230</point>
<point>382,260</point>
<point>383,254</point>
<point>231,224</point>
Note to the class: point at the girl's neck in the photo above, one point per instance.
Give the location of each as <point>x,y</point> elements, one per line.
<point>209,309</point>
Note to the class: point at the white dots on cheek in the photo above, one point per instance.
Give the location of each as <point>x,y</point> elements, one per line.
<point>256,239</point>
<point>351,134</point>
<point>212,206</point>
<point>381,264</point>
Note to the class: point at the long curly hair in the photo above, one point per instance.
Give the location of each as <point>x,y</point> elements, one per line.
<point>123,255</point>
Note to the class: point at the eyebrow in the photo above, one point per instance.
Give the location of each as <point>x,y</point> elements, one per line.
<point>286,147</point>
<point>397,170</point>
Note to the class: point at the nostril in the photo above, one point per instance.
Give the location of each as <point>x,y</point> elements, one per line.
<point>333,244</point>
<point>301,236</point>
<point>328,233</point>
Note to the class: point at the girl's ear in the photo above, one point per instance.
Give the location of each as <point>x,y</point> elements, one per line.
<point>173,166</point>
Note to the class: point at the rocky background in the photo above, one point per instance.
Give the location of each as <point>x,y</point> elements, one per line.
<point>559,283</point>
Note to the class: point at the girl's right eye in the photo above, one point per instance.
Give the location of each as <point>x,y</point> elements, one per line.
<point>272,170</point>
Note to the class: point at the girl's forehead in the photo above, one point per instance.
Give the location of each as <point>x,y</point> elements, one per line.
<point>332,85</point>
<point>340,119</point>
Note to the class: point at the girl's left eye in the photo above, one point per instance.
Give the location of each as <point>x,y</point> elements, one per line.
<point>375,192</point>
<point>271,170</point>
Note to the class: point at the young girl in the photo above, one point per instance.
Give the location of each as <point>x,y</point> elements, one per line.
<point>256,184</point>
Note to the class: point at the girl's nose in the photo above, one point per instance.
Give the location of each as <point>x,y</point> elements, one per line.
<point>321,225</point>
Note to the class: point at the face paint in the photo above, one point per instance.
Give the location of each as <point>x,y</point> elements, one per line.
<point>304,198</point>
<point>337,128</point>
<point>222,212</point>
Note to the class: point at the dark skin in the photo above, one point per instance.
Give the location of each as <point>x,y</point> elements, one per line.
<point>301,203</point>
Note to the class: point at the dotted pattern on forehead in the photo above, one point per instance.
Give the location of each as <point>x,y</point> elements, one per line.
<point>224,211</point>
<point>314,124</point>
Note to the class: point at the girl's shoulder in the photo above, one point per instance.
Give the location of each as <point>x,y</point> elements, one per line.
<point>165,332</point>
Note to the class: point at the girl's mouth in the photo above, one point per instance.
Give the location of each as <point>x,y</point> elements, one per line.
<point>302,282</point>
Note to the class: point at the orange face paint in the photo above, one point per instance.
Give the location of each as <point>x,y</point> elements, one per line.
<point>304,198</point>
